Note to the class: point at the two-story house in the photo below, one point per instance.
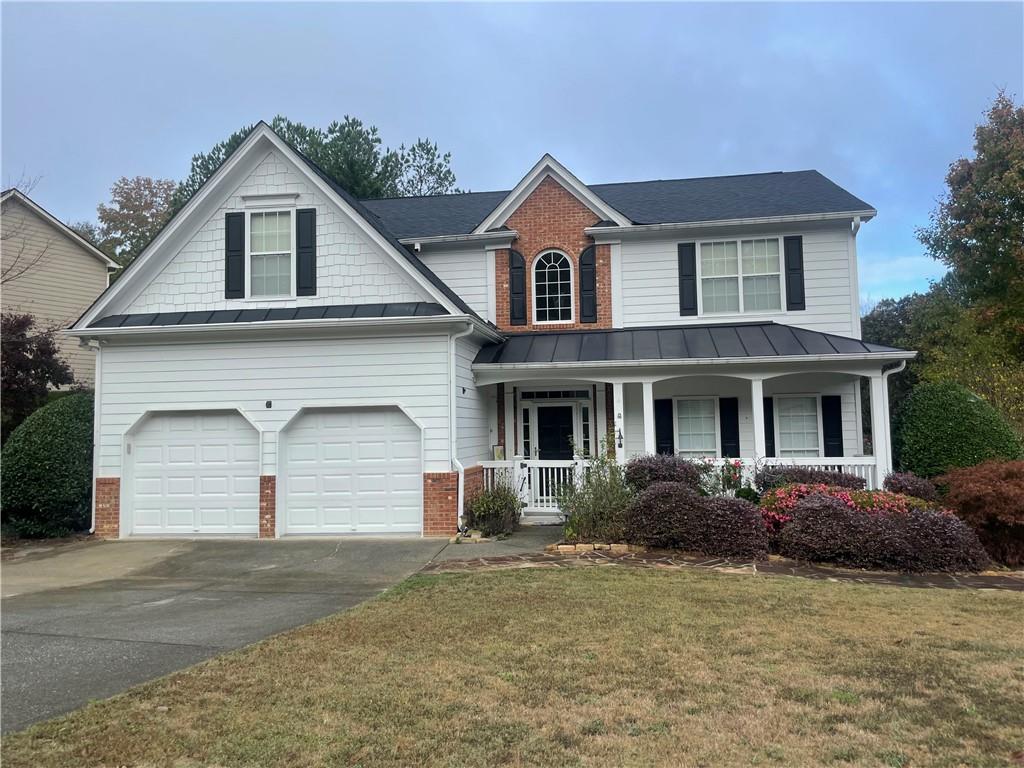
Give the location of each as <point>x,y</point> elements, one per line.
<point>51,272</point>
<point>285,359</point>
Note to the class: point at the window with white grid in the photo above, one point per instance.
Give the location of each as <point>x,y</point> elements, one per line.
<point>696,432</point>
<point>798,426</point>
<point>552,288</point>
<point>270,254</point>
<point>741,276</point>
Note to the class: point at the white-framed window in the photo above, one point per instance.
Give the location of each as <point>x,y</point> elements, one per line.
<point>738,276</point>
<point>798,425</point>
<point>526,427</point>
<point>270,252</point>
<point>552,288</point>
<point>697,431</point>
<point>585,428</point>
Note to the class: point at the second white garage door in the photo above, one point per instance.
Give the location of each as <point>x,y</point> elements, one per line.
<point>356,470</point>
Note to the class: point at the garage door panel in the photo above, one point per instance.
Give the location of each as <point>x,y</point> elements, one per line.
<point>360,467</point>
<point>195,473</point>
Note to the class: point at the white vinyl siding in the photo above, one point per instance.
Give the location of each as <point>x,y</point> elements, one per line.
<point>470,408</point>
<point>649,274</point>
<point>350,267</point>
<point>290,374</point>
<point>465,272</point>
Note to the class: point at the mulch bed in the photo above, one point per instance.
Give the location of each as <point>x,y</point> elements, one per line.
<point>776,566</point>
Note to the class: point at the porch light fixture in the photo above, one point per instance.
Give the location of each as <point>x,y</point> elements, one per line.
<point>618,437</point>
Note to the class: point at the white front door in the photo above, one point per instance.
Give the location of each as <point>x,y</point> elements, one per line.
<point>352,470</point>
<point>195,472</point>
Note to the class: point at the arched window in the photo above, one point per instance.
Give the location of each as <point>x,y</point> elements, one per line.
<point>552,288</point>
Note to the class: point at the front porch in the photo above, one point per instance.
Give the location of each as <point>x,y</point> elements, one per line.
<point>548,421</point>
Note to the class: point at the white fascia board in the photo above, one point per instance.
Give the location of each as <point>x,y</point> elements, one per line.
<point>549,166</point>
<point>505,236</point>
<point>603,234</point>
<point>60,226</point>
<point>283,327</point>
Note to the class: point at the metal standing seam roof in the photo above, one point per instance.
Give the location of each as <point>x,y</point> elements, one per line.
<point>733,340</point>
<point>330,312</point>
<point>713,198</point>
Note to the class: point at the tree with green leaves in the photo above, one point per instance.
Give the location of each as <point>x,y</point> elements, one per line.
<point>978,228</point>
<point>349,152</point>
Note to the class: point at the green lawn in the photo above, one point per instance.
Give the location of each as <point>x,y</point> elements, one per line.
<point>599,666</point>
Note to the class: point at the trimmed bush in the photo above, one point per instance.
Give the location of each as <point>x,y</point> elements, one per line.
<point>774,476</point>
<point>644,471</point>
<point>910,484</point>
<point>942,426</point>
<point>748,493</point>
<point>674,516</point>
<point>990,498</point>
<point>46,474</point>
<point>824,529</point>
<point>594,504</point>
<point>494,511</point>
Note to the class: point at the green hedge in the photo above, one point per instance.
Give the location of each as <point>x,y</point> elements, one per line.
<point>46,475</point>
<point>942,426</point>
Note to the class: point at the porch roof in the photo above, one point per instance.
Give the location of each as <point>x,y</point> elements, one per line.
<point>732,341</point>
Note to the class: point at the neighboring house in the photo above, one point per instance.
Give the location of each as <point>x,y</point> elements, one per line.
<point>51,272</point>
<point>284,359</point>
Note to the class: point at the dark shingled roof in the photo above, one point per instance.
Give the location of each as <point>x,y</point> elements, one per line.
<point>712,198</point>
<point>672,343</point>
<point>332,312</point>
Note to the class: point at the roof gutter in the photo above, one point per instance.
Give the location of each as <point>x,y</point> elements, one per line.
<point>659,363</point>
<point>637,229</point>
<point>280,325</point>
<point>483,237</point>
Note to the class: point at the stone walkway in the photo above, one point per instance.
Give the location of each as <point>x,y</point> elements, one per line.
<point>775,567</point>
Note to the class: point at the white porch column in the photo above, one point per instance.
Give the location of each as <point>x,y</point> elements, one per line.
<point>880,428</point>
<point>650,444</point>
<point>757,411</point>
<point>510,424</point>
<point>618,406</point>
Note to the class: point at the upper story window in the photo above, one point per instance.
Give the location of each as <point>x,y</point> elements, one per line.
<point>740,276</point>
<point>271,254</point>
<point>552,288</point>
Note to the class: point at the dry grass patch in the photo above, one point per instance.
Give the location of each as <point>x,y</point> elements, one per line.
<point>602,666</point>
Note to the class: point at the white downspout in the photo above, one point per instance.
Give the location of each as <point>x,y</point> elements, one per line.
<point>453,432</point>
<point>885,394</point>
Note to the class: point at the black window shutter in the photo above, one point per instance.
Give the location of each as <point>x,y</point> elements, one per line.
<point>516,288</point>
<point>663,429</point>
<point>234,256</point>
<point>794,249</point>
<point>832,424</point>
<point>769,427</point>
<point>687,278</point>
<point>729,423</point>
<point>305,252</point>
<point>588,285</point>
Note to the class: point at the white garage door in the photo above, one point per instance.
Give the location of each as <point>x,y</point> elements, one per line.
<point>195,473</point>
<point>354,470</point>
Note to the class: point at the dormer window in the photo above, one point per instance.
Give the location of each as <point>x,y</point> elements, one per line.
<point>271,254</point>
<point>552,288</point>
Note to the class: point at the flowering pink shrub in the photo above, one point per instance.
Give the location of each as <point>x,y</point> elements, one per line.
<point>777,504</point>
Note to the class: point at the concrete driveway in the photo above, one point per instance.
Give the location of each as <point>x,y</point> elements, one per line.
<point>91,620</point>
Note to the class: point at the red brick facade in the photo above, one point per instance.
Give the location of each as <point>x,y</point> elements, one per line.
<point>440,503</point>
<point>108,507</point>
<point>268,506</point>
<point>473,482</point>
<point>551,217</point>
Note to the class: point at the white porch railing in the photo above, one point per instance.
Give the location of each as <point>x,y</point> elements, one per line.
<point>537,481</point>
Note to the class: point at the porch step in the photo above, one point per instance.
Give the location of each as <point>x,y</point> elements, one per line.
<point>540,519</point>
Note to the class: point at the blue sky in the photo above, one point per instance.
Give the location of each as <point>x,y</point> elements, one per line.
<point>879,97</point>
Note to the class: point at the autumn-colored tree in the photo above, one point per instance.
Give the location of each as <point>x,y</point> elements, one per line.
<point>978,228</point>
<point>139,207</point>
<point>29,365</point>
<point>349,152</point>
